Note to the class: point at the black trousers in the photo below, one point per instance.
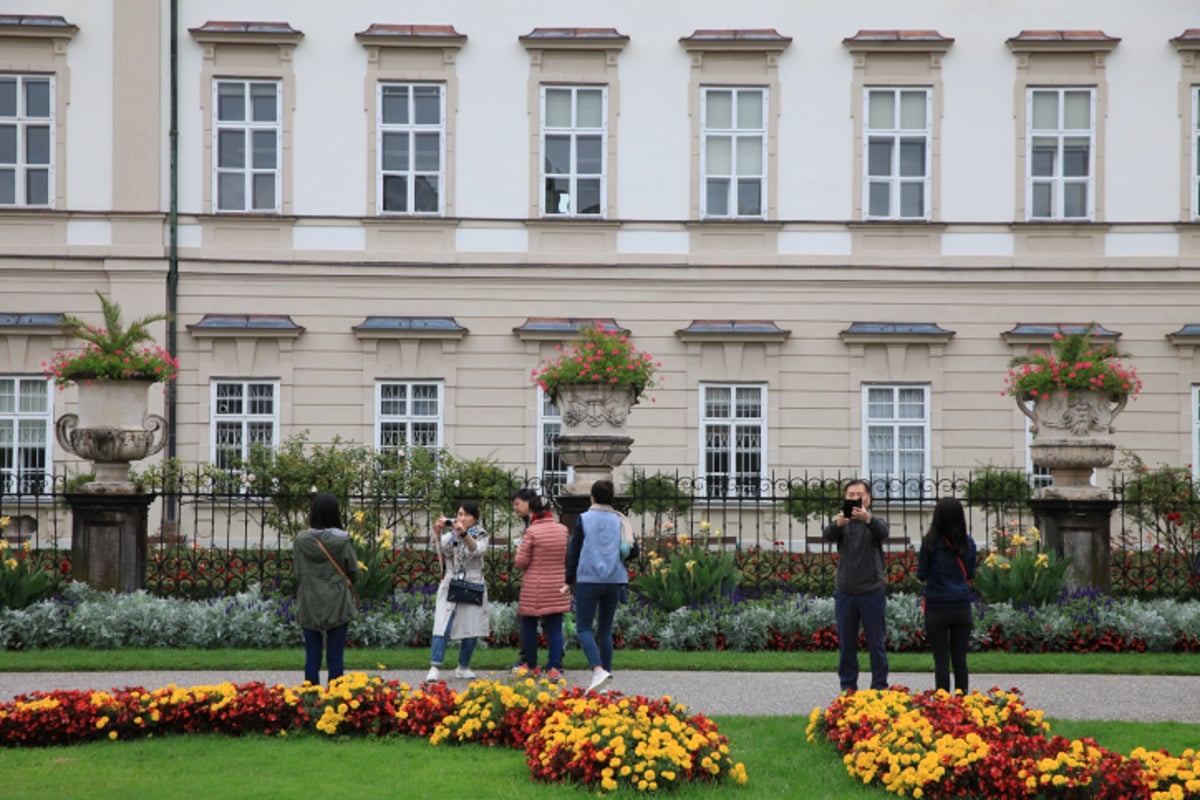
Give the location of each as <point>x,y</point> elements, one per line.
<point>948,629</point>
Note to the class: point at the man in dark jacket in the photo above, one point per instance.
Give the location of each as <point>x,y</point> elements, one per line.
<point>859,595</point>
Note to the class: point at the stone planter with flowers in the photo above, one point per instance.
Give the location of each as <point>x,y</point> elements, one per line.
<point>1072,394</point>
<point>595,382</point>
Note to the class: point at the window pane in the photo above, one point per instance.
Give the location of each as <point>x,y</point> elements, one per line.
<point>588,155</point>
<point>750,110</point>
<point>879,403</point>
<point>880,200</point>
<point>262,99</point>
<point>37,144</point>
<point>749,155</point>
<point>558,108</point>
<point>264,150</point>
<point>231,102</point>
<point>1043,199</point>
<point>8,186</point>
<point>589,113</point>
<point>231,192</point>
<point>912,199</point>
<point>34,397</point>
<point>8,144</point>
<point>749,402</point>
<point>424,434</point>
<point>37,187</point>
<point>8,395</point>
<point>264,192</point>
<point>558,198</point>
<point>395,105</point>
<point>912,110</point>
<point>719,109</point>
<point>393,399</point>
<point>912,158</point>
<point>558,155</point>
<point>37,98</point>
<point>912,403</point>
<point>262,398</point>
<point>717,402</point>
<point>8,97</point>
<point>881,110</point>
<point>718,155</point>
<point>749,197</point>
<point>1075,198</point>
<point>425,399</point>
<point>1045,111</point>
<point>1077,110</point>
<point>427,102</point>
<point>1075,156</point>
<point>589,196</point>
<point>879,157</point>
<point>392,434</point>
<point>395,193</point>
<point>231,149</point>
<point>395,151</point>
<point>716,197</point>
<point>425,194</point>
<point>428,155</point>
<point>1041,162</point>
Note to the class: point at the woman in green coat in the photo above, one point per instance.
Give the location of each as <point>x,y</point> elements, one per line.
<point>326,565</point>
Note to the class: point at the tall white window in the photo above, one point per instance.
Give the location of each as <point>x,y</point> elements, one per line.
<point>552,473</point>
<point>25,435</point>
<point>733,152</point>
<point>1196,151</point>
<point>411,147</point>
<point>1060,160</point>
<point>896,439</point>
<point>26,140</point>
<point>574,150</point>
<point>244,414</point>
<point>408,414</point>
<point>733,439</point>
<point>247,138</point>
<point>897,142</point>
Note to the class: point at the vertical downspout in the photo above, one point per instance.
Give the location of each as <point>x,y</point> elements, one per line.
<point>173,243</point>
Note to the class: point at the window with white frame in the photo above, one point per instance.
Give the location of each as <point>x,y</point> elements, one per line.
<point>733,152</point>
<point>411,147</point>
<point>1196,151</point>
<point>897,142</point>
<point>408,414</point>
<point>1060,160</point>
<point>1039,477</point>
<point>574,150</point>
<point>733,439</point>
<point>247,135</point>
<point>552,473</point>
<point>896,439</point>
<point>26,421</point>
<point>26,140</point>
<point>245,414</point>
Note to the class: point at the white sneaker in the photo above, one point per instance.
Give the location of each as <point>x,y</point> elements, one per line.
<point>463,672</point>
<point>600,679</point>
<point>433,675</point>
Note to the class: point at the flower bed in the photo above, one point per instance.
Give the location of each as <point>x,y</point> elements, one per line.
<point>935,745</point>
<point>604,741</point>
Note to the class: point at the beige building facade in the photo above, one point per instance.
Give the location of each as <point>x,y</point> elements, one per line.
<point>833,224</point>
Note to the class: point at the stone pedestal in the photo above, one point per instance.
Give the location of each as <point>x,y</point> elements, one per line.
<point>108,539</point>
<point>1081,530</point>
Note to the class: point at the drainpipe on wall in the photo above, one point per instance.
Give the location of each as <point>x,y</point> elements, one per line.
<point>173,240</point>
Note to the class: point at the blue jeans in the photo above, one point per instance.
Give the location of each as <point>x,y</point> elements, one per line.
<point>553,625</point>
<point>596,601</point>
<point>869,611</point>
<point>438,651</point>
<point>315,643</point>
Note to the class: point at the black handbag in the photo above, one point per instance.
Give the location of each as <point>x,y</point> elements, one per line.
<point>464,591</point>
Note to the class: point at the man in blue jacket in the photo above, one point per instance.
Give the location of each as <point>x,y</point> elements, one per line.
<point>859,595</point>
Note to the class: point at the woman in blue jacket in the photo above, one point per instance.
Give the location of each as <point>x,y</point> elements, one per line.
<point>946,562</point>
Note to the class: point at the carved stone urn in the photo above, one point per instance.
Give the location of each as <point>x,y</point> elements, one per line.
<point>111,430</point>
<point>593,441</point>
<point>1072,435</point>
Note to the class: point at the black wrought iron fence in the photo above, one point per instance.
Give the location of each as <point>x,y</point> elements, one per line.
<point>214,537</point>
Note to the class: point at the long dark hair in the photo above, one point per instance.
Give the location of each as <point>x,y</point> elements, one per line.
<point>949,522</point>
<point>325,512</point>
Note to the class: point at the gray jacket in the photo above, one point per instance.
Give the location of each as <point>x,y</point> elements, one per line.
<point>860,555</point>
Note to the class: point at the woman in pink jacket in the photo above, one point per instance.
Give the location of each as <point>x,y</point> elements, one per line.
<point>543,556</point>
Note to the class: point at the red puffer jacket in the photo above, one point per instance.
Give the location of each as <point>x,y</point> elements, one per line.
<point>543,557</point>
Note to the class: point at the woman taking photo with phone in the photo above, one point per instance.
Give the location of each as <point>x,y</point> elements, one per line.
<point>461,544</point>
<point>946,562</point>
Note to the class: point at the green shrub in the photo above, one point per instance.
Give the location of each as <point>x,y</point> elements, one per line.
<point>23,579</point>
<point>685,573</point>
<point>1019,572</point>
<point>820,499</point>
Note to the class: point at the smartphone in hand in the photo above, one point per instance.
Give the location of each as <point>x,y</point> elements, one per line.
<point>848,507</point>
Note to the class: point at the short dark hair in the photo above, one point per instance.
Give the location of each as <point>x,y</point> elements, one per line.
<point>470,508</point>
<point>603,491</point>
<point>858,482</point>
<point>525,494</point>
<point>324,512</point>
